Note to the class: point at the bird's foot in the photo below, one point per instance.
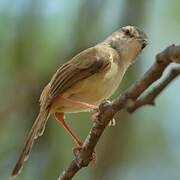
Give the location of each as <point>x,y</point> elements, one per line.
<point>77,150</point>
<point>94,116</point>
<point>112,122</point>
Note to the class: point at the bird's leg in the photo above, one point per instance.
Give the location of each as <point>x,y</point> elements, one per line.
<point>86,105</point>
<point>60,118</point>
<point>90,106</point>
<point>94,116</point>
<point>83,104</point>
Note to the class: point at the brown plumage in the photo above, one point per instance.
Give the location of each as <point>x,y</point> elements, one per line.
<point>64,78</point>
<point>99,69</point>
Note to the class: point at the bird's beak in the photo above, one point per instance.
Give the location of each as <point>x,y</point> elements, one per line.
<point>144,42</point>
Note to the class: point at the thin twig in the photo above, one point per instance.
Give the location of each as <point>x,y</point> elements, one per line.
<point>150,97</point>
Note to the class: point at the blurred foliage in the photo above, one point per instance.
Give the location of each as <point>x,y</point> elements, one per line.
<point>36,37</point>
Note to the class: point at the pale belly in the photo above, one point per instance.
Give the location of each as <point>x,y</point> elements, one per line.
<point>92,90</point>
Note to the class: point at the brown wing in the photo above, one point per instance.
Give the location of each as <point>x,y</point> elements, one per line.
<point>83,65</point>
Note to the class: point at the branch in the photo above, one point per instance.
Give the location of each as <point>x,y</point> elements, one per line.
<point>150,97</point>
<point>129,100</point>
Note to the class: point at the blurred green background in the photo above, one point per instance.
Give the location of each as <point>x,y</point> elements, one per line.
<point>36,37</point>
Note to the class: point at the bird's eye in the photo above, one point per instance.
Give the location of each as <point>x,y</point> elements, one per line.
<point>127,32</point>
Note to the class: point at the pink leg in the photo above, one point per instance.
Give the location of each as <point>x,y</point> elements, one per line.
<point>83,104</point>
<point>86,105</point>
<point>94,116</point>
<point>60,119</point>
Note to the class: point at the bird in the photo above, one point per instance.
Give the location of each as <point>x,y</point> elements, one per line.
<point>83,82</point>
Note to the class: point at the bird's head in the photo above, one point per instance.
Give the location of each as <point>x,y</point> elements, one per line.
<point>128,42</point>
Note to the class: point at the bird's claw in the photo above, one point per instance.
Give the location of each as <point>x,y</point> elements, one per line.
<point>77,150</point>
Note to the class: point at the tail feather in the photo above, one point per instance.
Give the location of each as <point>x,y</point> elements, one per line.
<point>35,131</point>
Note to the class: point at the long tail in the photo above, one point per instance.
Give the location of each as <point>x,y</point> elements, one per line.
<point>36,130</point>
